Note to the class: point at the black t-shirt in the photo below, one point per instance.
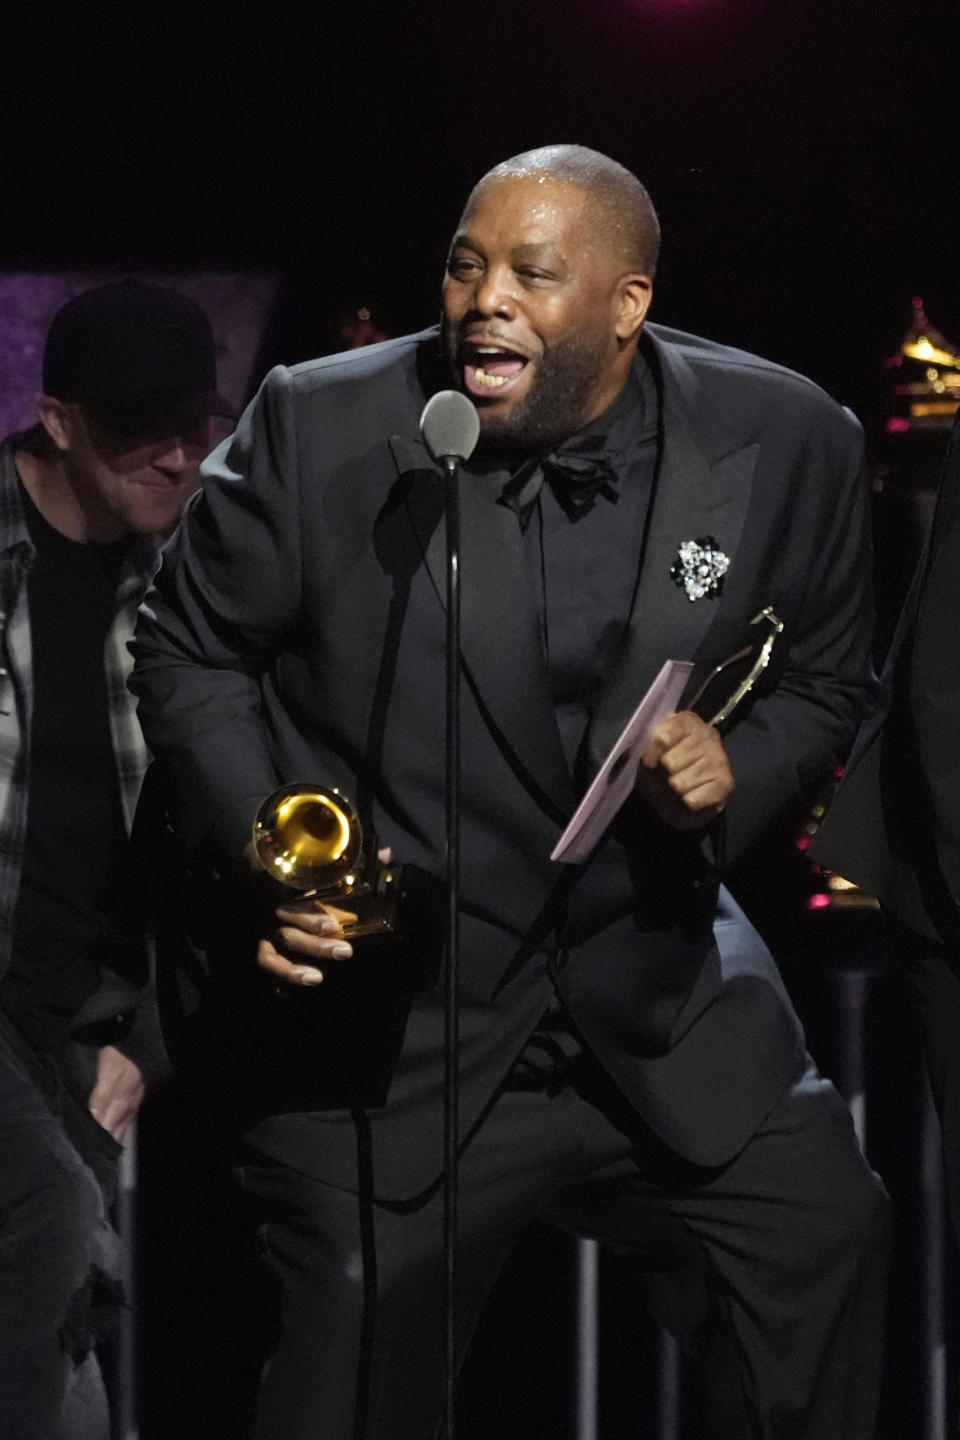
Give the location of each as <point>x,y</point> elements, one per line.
<point>75,839</point>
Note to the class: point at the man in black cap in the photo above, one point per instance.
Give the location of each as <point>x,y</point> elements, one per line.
<point>86,495</point>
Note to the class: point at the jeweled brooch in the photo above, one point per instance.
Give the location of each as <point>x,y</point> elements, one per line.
<point>700,567</point>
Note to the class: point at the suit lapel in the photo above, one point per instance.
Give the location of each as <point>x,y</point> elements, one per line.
<point>499,641</point>
<point>703,490</point>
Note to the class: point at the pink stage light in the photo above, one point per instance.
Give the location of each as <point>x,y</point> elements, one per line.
<point>674,4</point>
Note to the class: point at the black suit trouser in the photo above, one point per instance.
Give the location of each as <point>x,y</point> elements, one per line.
<point>934,979</point>
<point>777,1260</point>
<point>59,1256</point>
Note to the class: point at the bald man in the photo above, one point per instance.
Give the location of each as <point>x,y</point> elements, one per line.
<point>630,1065</point>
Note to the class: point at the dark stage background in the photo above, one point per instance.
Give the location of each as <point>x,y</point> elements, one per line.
<point>803,157</point>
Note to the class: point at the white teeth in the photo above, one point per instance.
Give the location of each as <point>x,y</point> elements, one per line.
<point>491,381</point>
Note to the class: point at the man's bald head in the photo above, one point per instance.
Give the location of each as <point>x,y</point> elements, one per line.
<point>621,212</point>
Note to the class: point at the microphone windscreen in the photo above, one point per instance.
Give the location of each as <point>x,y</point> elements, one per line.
<point>450,426</point>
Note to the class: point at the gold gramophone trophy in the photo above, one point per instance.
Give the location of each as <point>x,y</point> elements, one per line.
<point>311,840</point>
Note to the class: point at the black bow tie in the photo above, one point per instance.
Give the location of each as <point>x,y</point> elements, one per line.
<point>577,473</point>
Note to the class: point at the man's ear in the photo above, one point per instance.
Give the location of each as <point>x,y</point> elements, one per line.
<point>635,295</point>
<point>57,419</point>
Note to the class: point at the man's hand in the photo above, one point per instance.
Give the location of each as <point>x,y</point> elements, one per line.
<point>117,1093</point>
<point>308,931</point>
<point>685,775</point>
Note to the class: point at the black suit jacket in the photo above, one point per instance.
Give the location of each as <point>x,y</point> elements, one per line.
<point>894,826</point>
<point>296,632</point>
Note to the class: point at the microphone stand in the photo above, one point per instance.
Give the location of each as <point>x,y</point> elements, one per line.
<point>451,1034</point>
<point>450,428</point>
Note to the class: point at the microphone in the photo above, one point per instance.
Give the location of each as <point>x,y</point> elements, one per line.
<point>450,427</point>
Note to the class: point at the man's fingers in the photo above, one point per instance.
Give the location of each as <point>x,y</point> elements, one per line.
<point>343,917</point>
<point>671,733</point>
<point>688,772</point>
<point>702,784</point>
<point>315,932</point>
<point>116,1119</point>
<point>117,1091</point>
<point>694,748</point>
<point>657,747</point>
<point>312,946</point>
<point>316,918</point>
<point>309,936</point>
<point>273,963</point>
<point>694,771</point>
<point>711,796</point>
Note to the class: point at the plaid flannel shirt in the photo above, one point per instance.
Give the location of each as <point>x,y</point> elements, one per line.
<point>16,684</point>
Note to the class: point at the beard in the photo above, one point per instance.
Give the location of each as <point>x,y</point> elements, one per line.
<point>553,408</point>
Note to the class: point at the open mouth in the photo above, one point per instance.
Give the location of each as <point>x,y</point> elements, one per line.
<point>489,371</point>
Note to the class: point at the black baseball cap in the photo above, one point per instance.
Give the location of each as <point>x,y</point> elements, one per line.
<point>139,358</point>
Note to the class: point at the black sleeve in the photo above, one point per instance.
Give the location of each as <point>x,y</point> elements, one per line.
<point>822,679</point>
<point>226,593</point>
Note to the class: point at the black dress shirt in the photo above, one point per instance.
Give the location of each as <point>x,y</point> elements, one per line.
<point>583,557</point>
<point>584,563</point>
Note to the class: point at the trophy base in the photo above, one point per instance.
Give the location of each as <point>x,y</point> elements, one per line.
<point>375,905</point>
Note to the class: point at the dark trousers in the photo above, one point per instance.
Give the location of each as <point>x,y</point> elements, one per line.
<point>57,1253</point>
<point>934,978</point>
<point>778,1259</point>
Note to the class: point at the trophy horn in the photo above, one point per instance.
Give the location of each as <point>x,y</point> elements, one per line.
<point>311,840</point>
<point>308,837</point>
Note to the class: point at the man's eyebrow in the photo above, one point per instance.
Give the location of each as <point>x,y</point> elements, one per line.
<point>527,250</point>
<point>466,242</point>
<point>538,247</point>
